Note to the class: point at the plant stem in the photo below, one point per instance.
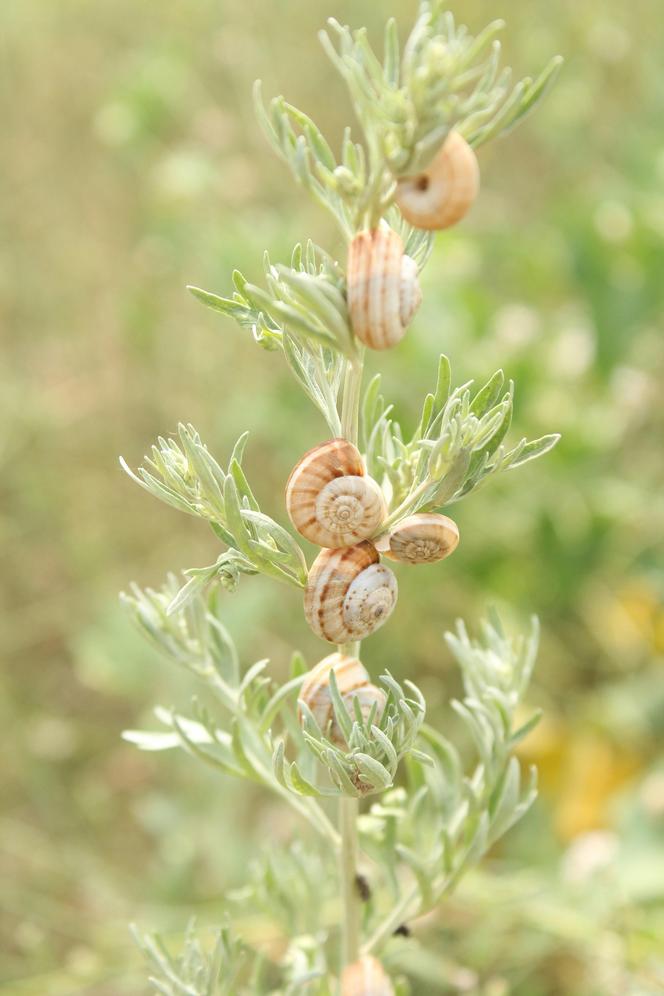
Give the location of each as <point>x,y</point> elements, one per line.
<point>349,806</point>
<point>350,914</point>
<point>393,921</point>
<point>350,406</point>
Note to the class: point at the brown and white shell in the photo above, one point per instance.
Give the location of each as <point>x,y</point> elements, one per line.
<point>444,192</point>
<point>383,288</point>
<point>353,683</point>
<point>366,977</point>
<point>330,499</point>
<point>349,593</point>
<point>421,539</point>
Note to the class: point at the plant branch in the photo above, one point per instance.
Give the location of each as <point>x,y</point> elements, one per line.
<point>350,918</point>
<point>397,916</point>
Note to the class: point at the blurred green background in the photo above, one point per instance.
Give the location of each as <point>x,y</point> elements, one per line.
<point>130,166</point>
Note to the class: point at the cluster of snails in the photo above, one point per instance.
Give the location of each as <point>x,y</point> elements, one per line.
<point>333,502</point>
<point>349,594</point>
<point>383,286</point>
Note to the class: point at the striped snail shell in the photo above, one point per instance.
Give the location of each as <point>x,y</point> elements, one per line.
<point>366,977</point>
<point>349,593</point>
<point>330,499</point>
<point>383,288</point>
<point>443,193</point>
<point>421,539</point>
<point>353,683</point>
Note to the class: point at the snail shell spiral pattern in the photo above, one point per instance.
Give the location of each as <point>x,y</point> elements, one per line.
<point>329,498</point>
<point>383,288</point>
<point>349,594</point>
<point>421,539</point>
<point>366,977</point>
<point>353,683</point>
<point>443,193</point>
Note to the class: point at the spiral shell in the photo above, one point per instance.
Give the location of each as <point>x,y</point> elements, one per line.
<point>383,288</point>
<point>352,682</point>
<point>366,977</point>
<point>421,539</point>
<point>443,193</point>
<point>329,498</point>
<point>349,593</point>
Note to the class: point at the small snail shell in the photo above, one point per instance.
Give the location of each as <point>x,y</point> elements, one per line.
<point>383,288</point>
<point>352,682</point>
<point>349,593</point>
<point>443,193</point>
<point>330,499</point>
<point>365,977</point>
<point>421,539</point>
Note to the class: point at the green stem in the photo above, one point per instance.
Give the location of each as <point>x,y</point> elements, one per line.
<point>350,913</point>
<point>401,912</point>
<point>348,805</point>
<point>406,505</point>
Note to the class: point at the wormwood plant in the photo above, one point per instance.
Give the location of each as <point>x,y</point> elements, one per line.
<point>395,817</point>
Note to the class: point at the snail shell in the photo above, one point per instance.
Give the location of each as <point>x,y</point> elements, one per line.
<point>365,977</point>
<point>443,193</point>
<point>349,593</point>
<point>421,539</point>
<point>383,288</point>
<point>330,499</point>
<point>352,682</point>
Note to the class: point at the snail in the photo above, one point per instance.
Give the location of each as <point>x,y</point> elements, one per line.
<point>420,539</point>
<point>353,683</point>
<point>330,499</point>
<point>445,191</point>
<point>383,288</point>
<point>349,593</point>
<point>366,977</point>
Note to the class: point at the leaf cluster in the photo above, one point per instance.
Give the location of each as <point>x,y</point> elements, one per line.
<point>445,821</point>
<point>456,446</point>
<point>434,829</point>
<point>290,886</point>
<point>302,312</point>
<point>445,78</point>
<point>199,969</point>
<point>338,186</point>
<point>183,473</point>
<point>373,748</point>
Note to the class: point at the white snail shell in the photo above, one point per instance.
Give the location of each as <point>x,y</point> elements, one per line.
<point>349,593</point>
<point>330,499</point>
<point>366,977</point>
<point>421,539</point>
<point>443,193</point>
<point>353,683</point>
<point>383,288</point>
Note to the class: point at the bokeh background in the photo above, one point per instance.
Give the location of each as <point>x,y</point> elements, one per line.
<point>130,166</point>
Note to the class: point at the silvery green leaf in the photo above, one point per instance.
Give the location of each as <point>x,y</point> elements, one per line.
<point>341,713</point>
<point>278,701</point>
<point>148,741</point>
<point>534,449</point>
<point>487,397</point>
<point>298,783</point>
<point>392,758</point>
<point>372,771</point>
